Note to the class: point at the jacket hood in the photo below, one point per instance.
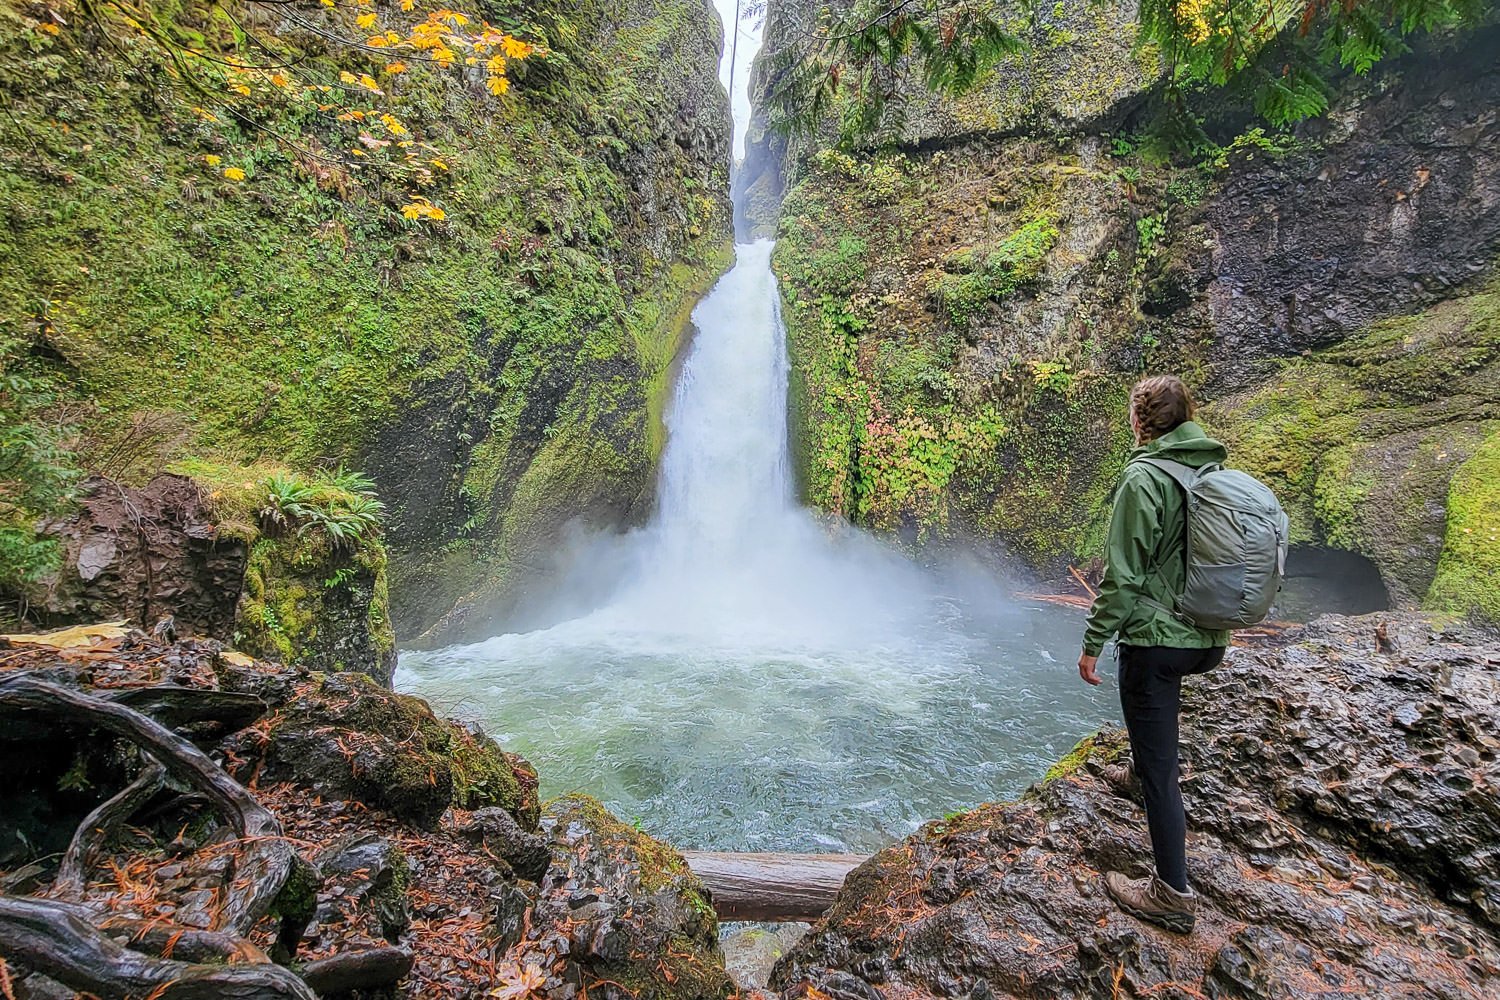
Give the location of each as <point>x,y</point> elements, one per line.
<point>1186,444</point>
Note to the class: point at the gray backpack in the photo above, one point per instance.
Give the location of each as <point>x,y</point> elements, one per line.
<point>1236,546</point>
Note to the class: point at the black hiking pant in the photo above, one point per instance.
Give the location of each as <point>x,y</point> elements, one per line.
<point>1151,694</point>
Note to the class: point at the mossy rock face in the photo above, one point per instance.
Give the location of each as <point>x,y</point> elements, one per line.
<point>1469,567</point>
<point>947,318</point>
<point>294,313</point>
<point>307,603</point>
<point>1081,67</point>
<point>1364,442</point>
<point>351,738</point>
<point>965,319</point>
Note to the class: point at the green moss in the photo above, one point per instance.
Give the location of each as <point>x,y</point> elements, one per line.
<point>1279,433</point>
<point>422,763</point>
<point>1098,747</point>
<point>297,316</point>
<point>1470,562</point>
<point>298,899</point>
<point>1340,490</point>
<point>1062,454</point>
<point>659,865</point>
<point>688,966</point>
<point>984,274</point>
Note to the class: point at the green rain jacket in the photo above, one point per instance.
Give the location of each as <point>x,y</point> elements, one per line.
<point>1144,556</point>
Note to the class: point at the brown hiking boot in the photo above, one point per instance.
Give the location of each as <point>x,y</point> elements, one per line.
<point>1152,900</point>
<point>1121,777</point>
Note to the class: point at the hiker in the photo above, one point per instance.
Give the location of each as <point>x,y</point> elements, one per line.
<point>1145,569</point>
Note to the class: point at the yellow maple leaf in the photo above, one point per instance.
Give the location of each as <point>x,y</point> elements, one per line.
<point>240,88</point>
<point>368,82</point>
<point>408,4</point>
<point>279,80</point>
<point>234,173</point>
<point>439,164</point>
<point>365,20</point>
<point>211,160</point>
<point>395,67</point>
<point>376,41</point>
<point>69,638</point>
<point>498,85</point>
<point>436,214</point>
<point>515,48</point>
<point>48,27</point>
<point>411,211</point>
<point>348,77</point>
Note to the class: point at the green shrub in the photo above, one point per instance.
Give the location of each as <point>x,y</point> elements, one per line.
<point>36,475</point>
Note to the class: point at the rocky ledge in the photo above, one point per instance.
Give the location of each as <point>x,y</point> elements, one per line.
<point>271,832</point>
<point>1343,792</point>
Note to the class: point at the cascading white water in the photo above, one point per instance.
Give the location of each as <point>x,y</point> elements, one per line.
<point>755,678</point>
<point>729,556</point>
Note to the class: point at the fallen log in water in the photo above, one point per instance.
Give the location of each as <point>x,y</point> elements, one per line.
<point>771,886</point>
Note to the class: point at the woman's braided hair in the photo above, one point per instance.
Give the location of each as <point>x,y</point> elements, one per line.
<point>1160,404</point>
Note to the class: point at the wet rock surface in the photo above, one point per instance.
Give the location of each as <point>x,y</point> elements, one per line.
<point>396,880</point>
<point>141,555</point>
<point>1344,838</point>
<point>613,894</point>
<point>347,737</point>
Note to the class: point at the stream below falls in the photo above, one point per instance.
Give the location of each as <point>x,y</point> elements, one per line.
<point>740,674</point>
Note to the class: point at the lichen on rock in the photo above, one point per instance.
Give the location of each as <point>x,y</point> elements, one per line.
<point>618,896</point>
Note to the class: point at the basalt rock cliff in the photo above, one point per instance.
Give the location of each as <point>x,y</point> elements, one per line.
<point>474,299</point>
<point>969,298</point>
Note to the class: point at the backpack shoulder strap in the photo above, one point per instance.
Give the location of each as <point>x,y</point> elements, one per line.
<point>1183,475</point>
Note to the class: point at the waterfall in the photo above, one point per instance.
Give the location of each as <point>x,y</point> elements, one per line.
<point>729,556</point>
<point>725,475</point>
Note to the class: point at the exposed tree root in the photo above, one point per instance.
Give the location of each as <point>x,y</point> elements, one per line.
<point>167,940</point>
<point>175,707</point>
<point>266,858</point>
<point>52,939</point>
<point>357,970</point>
<point>99,826</point>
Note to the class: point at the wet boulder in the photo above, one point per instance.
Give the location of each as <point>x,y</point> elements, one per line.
<point>367,881</point>
<point>618,915</point>
<point>527,854</point>
<point>350,738</point>
<point>1344,835</point>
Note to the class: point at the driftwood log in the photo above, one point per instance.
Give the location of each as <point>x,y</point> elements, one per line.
<point>771,886</point>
